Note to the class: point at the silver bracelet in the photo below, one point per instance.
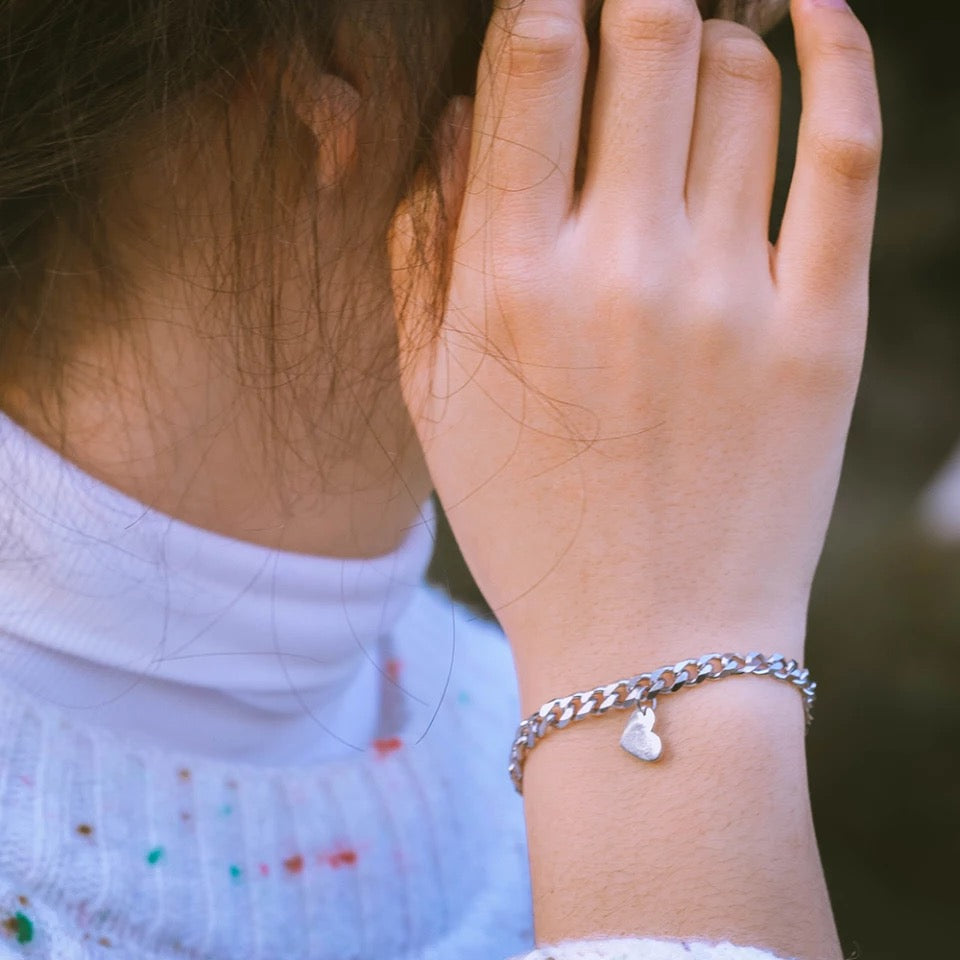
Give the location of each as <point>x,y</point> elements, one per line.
<point>641,691</point>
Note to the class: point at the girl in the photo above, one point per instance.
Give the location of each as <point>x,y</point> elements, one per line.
<point>273,272</point>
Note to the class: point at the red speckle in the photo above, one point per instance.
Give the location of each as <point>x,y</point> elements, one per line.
<point>294,864</point>
<point>345,858</point>
<point>232,784</point>
<point>383,747</point>
<point>392,668</point>
<point>185,815</point>
<point>264,870</point>
<point>27,780</point>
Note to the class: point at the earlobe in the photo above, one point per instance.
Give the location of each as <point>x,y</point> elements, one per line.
<point>329,108</point>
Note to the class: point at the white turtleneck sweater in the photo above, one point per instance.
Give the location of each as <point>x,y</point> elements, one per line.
<point>210,750</point>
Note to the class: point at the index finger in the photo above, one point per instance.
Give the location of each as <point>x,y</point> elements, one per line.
<point>527,112</point>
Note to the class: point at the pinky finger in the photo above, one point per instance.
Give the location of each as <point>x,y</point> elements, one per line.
<point>823,251</point>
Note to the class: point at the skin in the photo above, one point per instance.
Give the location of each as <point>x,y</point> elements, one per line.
<point>160,413</point>
<point>668,459</point>
<point>654,400</point>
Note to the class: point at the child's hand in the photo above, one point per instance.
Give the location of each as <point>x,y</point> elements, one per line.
<point>636,409</point>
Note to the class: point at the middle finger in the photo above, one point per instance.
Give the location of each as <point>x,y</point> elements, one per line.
<point>643,108</point>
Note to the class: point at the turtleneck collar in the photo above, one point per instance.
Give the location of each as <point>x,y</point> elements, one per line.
<point>111,608</point>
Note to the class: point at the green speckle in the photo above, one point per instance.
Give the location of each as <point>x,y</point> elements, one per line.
<point>155,855</point>
<point>24,927</point>
<point>463,697</point>
<point>226,810</point>
<point>235,872</point>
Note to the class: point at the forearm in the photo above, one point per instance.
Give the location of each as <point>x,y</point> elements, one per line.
<point>713,841</point>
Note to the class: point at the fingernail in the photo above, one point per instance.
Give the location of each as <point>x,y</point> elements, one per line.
<point>832,4</point>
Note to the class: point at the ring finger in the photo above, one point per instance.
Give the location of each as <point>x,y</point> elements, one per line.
<point>736,132</point>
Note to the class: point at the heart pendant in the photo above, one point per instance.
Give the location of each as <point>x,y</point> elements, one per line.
<point>638,737</point>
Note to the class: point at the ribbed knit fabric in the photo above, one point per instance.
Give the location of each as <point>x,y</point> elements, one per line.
<point>406,850</point>
<point>644,949</point>
<point>115,844</point>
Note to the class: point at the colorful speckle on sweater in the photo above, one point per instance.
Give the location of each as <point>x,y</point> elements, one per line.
<point>392,668</point>
<point>344,858</point>
<point>155,855</point>
<point>21,925</point>
<point>293,864</point>
<point>387,745</point>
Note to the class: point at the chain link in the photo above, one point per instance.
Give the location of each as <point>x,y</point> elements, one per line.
<point>645,687</point>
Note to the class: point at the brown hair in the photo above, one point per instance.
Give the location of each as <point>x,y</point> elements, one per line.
<point>89,85</point>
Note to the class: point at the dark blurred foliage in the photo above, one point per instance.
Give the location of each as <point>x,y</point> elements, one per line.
<point>884,640</point>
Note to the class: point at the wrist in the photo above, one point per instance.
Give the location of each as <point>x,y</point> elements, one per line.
<point>714,839</point>
<point>563,657</point>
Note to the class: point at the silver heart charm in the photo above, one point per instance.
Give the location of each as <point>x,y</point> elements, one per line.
<point>638,737</point>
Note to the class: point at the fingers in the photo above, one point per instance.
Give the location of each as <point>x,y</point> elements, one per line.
<point>643,111</point>
<point>733,155</point>
<point>527,111</point>
<point>823,252</point>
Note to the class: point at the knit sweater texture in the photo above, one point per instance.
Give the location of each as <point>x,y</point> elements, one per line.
<point>132,827</point>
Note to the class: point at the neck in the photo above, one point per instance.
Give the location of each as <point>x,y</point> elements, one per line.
<point>316,464</point>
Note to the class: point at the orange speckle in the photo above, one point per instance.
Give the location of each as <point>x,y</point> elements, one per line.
<point>392,668</point>
<point>343,858</point>
<point>105,942</point>
<point>23,901</point>
<point>84,829</point>
<point>184,774</point>
<point>185,815</point>
<point>293,864</point>
<point>388,745</point>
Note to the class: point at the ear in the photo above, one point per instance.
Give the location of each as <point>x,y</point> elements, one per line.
<point>328,105</point>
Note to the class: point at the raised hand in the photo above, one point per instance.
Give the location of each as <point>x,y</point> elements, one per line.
<point>636,406</point>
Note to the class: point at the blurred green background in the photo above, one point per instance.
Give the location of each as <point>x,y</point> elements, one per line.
<point>884,639</point>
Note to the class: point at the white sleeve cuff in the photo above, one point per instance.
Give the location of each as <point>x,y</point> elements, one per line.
<point>633,948</point>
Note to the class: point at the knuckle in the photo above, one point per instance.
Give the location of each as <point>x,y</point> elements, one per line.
<point>645,23</point>
<point>818,366</point>
<point>715,321</point>
<point>851,154</point>
<point>710,305</point>
<point>742,59</point>
<point>620,289</point>
<point>518,272</point>
<point>544,44</point>
<point>850,46</point>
